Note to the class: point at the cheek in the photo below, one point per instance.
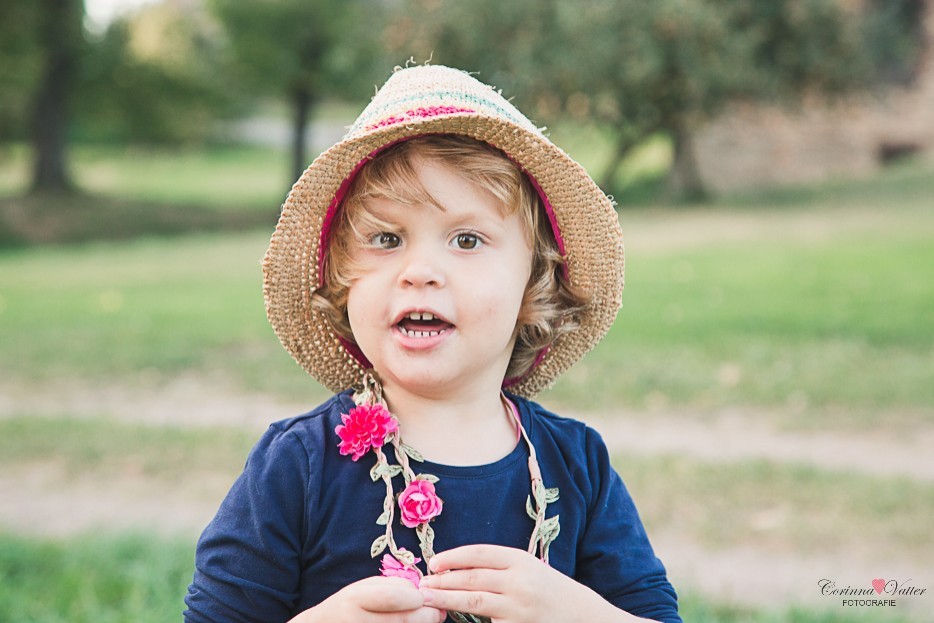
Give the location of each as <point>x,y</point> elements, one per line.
<point>500,299</point>
<point>360,307</point>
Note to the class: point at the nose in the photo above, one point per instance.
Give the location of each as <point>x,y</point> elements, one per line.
<point>421,268</point>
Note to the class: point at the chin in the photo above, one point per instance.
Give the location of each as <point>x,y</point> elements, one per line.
<point>428,379</point>
<point>423,383</point>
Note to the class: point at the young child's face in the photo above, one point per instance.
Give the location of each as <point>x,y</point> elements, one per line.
<point>435,306</point>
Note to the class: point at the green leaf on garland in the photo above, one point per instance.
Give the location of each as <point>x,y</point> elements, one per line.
<point>405,557</point>
<point>529,509</point>
<point>376,472</point>
<point>551,495</point>
<point>378,545</point>
<point>414,454</point>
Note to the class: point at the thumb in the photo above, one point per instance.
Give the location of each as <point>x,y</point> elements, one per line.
<point>379,594</point>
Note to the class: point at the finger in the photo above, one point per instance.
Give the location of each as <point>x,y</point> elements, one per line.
<point>382,594</point>
<point>473,602</point>
<point>422,615</point>
<point>435,614</point>
<point>474,556</point>
<point>487,580</point>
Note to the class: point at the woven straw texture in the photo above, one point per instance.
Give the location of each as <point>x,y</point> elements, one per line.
<point>430,100</point>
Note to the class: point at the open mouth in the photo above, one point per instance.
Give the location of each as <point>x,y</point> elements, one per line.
<point>423,324</point>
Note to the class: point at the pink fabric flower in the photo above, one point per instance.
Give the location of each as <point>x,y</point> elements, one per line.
<point>365,427</point>
<point>419,503</point>
<point>393,568</point>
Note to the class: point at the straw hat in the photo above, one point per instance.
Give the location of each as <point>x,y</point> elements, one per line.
<point>439,100</point>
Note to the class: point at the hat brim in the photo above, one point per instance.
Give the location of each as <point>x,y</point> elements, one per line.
<point>583,215</point>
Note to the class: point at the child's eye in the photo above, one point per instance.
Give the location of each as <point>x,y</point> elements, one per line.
<point>385,240</point>
<point>467,241</point>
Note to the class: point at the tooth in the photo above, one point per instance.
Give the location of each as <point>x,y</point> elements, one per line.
<point>427,316</point>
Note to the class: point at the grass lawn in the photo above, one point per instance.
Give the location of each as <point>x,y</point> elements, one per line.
<point>95,578</point>
<point>809,302</point>
<point>221,178</point>
<point>837,326</point>
<point>781,507</point>
<point>98,448</point>
<point>151,308</point>
<point>134,578</point>
<point>816,313</point>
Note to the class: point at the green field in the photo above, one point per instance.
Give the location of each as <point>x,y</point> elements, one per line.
<point>133,578</point>
<point>811,308</point>
<point>235,178</point>
<point>817,312</point>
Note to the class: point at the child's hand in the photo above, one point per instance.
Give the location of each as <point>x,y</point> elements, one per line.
<point>511,586</point>
<point>376,600</point>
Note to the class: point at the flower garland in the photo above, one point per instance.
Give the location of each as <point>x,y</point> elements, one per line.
<point>369,426</point>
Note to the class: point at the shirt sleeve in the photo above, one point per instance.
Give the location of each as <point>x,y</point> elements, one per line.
<point>247,562</point>
<point>615,557</point>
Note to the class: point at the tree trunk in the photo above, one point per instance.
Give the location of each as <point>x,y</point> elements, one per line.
<point>621,149</point>
<point>60,40</point>
<point>302,102</point>
<point>684,179</point>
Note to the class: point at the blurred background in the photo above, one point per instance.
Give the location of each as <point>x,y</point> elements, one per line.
<point>766,391</point>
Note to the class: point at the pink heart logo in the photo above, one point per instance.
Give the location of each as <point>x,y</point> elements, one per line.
<point>879,585</point>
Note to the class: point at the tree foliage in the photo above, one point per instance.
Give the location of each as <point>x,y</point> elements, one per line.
<point>20,61</point>
<point>155,77</point>
<point>509,44</point>
<point>641,68</point>
<point>677,63</point>
<point>636,67</point>
<point>303,51</point>
<point>60,82</point>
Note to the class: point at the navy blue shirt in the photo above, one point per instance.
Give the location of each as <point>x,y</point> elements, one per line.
<point>297,525</point>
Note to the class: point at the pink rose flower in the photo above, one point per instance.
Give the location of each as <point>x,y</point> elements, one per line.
<point>393,568</point>
<point>365,427</point>
<point>419,503</point>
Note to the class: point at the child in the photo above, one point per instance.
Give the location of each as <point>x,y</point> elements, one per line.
<point>436,268</point>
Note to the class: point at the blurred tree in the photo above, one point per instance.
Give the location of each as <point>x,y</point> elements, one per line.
<point>669,65</point>
<point>305,50</point>
<point>894,32</point>
<point>642,68</point>
<point>155,76</point>
<point>508,44</point>
<point>20,58</point>
<point>60,82</point>
<point>59,41</point>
